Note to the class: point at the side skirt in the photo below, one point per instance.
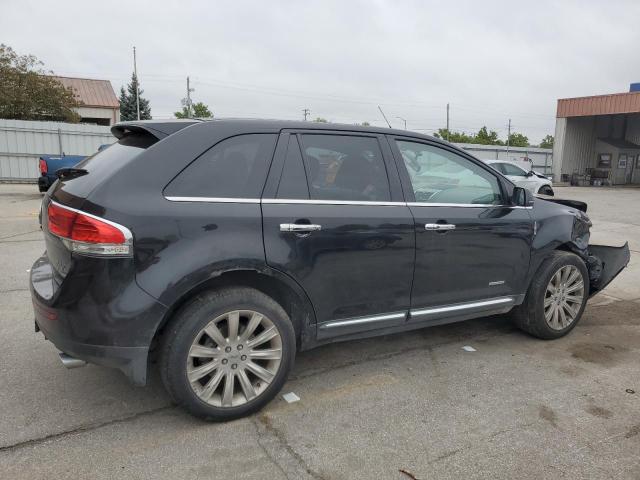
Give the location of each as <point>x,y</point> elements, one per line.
<point>384,324</point>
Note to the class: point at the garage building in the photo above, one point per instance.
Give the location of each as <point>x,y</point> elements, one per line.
<point>99,104</point>
<point>597,139</point>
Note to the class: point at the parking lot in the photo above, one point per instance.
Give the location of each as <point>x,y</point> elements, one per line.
<point>517,407</point>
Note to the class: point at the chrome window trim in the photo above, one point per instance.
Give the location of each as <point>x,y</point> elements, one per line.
<point>360,320</point>
<point>293,201</point>
<point>213,199</point>
<point>461,306</point>
<point>461,205</point>
<point>279,201</point>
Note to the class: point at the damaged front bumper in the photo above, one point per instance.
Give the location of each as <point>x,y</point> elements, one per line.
<point>604,264</point>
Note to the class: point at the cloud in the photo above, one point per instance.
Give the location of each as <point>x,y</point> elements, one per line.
<point>491,60</point>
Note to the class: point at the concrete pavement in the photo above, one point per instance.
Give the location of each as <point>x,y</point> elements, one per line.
<point>517,407</point>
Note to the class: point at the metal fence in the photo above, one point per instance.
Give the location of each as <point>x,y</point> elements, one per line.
<point>22,142</point>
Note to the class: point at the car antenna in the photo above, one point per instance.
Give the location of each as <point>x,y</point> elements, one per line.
<point>385,117</point>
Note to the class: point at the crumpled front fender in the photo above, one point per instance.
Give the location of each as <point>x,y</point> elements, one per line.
<point>604,264</point>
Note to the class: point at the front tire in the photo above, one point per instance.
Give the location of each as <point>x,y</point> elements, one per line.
<point>546,190</point>
<point>227,353</point>
<point>556,298</point>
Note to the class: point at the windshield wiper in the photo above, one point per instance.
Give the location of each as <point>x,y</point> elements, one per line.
<point>71,172</point>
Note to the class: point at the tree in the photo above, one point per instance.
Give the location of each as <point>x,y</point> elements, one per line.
<point>320,120</point>
<point>366,124</point>
<point>453,137</point>
<point>547,142</point>
<point>518,140</point>
<point>483,137</point>
<point>198,110</point>
<point>128,107</point>
<point>28,92</point>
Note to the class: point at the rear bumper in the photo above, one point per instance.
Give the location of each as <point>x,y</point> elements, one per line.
<point>613,261</point>
<point>96,313</point>
<point>132,361</point>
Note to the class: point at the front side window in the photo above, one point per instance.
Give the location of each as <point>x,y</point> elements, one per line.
<point>344,167</point>
<point>440,176</point>
<point>512,170</point>
<point>234,168</point>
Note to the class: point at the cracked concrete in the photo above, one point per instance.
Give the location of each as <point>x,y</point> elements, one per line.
<point>517,407</point>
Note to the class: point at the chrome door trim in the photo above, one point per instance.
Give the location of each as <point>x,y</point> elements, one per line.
<point>420,312</point>
<point>361,320</point>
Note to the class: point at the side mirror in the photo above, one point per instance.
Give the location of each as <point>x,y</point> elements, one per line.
<point>521,197</point>
<point>529,173</point>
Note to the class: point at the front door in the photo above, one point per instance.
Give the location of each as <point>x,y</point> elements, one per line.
<point>472,248</point>
<point>335,221</point>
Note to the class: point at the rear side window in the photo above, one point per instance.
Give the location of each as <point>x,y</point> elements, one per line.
<point>234,168</point>
<point>345,167</point>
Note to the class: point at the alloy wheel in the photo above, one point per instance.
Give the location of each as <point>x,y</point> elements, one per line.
<point>563,297</point>
<point>234,358</point>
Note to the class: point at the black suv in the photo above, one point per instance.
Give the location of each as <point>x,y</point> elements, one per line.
<point>226,246</point>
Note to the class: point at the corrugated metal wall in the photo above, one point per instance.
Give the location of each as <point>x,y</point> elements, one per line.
<point>542,157</point>
<point>22,142</point>
<point>633,128</point>
<point>578,147</point>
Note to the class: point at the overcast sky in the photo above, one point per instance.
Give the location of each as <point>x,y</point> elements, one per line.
<point>491,60</point>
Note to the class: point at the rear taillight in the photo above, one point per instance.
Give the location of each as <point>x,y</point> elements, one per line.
<point>87,234</point>
<point>43,166</point>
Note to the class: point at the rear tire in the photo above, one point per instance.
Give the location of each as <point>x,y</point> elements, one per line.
<point>556,298</point>
<point>227,353</point>
<point>546,190</point>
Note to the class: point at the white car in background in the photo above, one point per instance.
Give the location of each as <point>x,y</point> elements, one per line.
<point>532,181</point>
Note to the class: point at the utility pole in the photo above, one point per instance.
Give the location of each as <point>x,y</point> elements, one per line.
<point>447,122</point>
<point>135,72</point>
<point>405,122</point>
<point>189,90</point>
<point>508,138</point>
<point>306,112</point>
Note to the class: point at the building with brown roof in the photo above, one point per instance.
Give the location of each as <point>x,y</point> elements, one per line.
<point>597,139</point>
<point>99,102</point>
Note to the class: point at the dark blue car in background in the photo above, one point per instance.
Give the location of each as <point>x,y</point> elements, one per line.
<point>50,164</point>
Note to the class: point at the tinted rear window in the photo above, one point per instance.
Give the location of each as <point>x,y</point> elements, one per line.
<point>234,168</point>
<point>102,164</point>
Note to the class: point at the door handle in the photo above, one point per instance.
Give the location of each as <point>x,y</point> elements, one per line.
<point>439,227</point>
<point>299,227</point>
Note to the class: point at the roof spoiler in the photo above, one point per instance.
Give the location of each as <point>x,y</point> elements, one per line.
<point>158,129</point>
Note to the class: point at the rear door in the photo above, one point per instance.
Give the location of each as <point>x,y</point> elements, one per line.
<point>335,221</point>
<point>472,248</point>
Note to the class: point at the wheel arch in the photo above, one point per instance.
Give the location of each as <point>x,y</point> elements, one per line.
<point>273,283</point>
